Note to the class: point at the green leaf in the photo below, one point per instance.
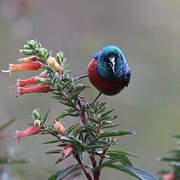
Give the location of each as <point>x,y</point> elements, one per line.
<point>119,157</point>
<point>58,97</point>
<point>66,84</point>
<point>46,117</point>
<point>138,173</point>
<point>6,124</point>
<point>106,113</point>
<point>67,139</point>
<point>71,128</point>
<point>65,103</point>
<point>94,147</point>
<point>143,175</point>
<point>51,142</point>
<point>7,160</point>
<point>170,159</point>
<point>76,93</point>
<point>101,107</point>
<point>71,140</point>
<point>58,161</point>
<point>54,176</point>
<point>123,153</point>
<point>44,132</point>
<point>116,133</point>
<point>177,136</point>
<point>70,110</point>
<point>63,114</point>
<point>68,171</point>
<point>110,126</point>
<point>56,151</point>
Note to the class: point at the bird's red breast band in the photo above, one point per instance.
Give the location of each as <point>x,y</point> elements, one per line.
<point>104,86</point>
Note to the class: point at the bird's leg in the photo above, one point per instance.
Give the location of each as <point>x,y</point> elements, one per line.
<point>80,77</point>
<point>97,97</point>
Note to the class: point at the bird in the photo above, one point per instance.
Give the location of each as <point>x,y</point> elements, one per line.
<point>109,71</point>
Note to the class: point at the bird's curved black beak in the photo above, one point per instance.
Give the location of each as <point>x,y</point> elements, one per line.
<point>112,62</point>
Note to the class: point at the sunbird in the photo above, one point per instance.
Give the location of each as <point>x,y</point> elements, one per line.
<point>109,71</point>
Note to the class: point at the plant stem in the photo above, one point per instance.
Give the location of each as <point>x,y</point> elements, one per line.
<point>94,164</point>
<point>101,161</point>
<point>76,156</point>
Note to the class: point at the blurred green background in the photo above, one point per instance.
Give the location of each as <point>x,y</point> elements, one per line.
<point>149,34</point>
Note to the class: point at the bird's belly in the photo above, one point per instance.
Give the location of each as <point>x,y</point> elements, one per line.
<point>104,86</point>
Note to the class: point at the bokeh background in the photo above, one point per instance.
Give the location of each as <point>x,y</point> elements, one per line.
<point>149,34</point>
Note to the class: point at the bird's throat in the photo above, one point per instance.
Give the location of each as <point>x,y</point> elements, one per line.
<point>107,73</point>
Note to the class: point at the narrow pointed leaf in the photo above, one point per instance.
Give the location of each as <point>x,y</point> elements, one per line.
<point>6,124</point>
<point>138,173</point>
<point>56,151</point>
<point>72,170</point>
<point>143,175</point>
<point>116,133</point>
<point>71,128</point>
<point>122,158</point>
<point>110,126</point>
<point>106,113</point>
<point>46,116</point>
<point>123,152</point>
<point>51,142</point>
<point>58,161</point>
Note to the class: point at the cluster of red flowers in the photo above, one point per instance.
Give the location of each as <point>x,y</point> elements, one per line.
<point>29,64</point>
<point>37,84</point>
<point>32,64</point>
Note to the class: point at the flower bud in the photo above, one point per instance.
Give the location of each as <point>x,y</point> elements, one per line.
<point>36,114</point>
<point>59,127</point>
<point>26,52</point>
<point>67,150</point>
<point>41,79</point>
<point>60,57</point>
<point>44,73</point>
<point>37,123</point>
<point>52,63</point>
<point>28,59</point>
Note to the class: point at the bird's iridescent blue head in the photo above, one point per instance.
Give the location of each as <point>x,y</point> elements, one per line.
<point>112,65</point>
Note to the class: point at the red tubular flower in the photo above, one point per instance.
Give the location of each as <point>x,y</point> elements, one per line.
<point>29,66</point>
<point>168,176</point>
<point>33,89</point>
<point>51,62</point>
<point>28,132</point>
<point>59,127</point>
<point>28,59</point>
<point>25,82</point>
<point>30,81</point>
<point>67,150</point>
